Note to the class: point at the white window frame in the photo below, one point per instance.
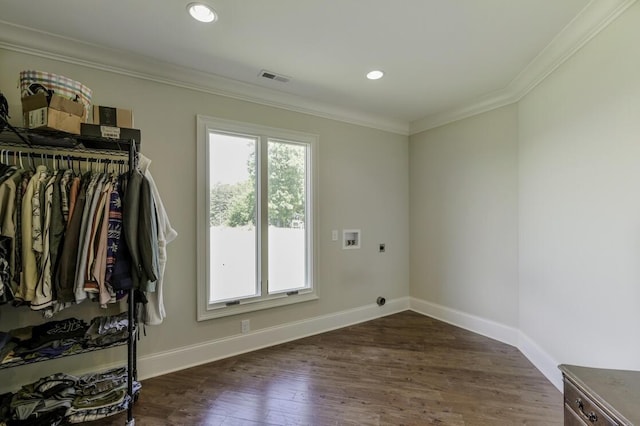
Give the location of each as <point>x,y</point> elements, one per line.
<point>206,125</point>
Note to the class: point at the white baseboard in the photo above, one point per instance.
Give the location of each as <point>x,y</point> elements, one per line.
<point>540,359</point>
<point>503,333</point>
<point>192,355</point>
<point>483,326</point>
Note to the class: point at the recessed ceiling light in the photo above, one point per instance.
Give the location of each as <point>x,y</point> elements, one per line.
<point>375,75</point>
<point>201,12</point>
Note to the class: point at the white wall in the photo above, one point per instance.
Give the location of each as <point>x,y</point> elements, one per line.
<point>526,219</point>
<point>363,184</point>
<point>463,198</point>
<point>579,196</point>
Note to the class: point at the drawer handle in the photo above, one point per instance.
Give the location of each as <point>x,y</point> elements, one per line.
<point>592,417</point>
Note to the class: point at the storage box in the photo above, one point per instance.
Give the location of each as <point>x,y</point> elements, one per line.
<point>39,100</point>
<point>114,117</point>
<point>98,131</point>
<point>52,119</point>
<point>59,114</point>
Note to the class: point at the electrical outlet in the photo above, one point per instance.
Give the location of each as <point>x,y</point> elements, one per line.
<point>381,248</point>
<point>246,326</point>
<point>334,235</point>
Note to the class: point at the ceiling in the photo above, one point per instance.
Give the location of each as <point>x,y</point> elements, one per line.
<point>441,58</point>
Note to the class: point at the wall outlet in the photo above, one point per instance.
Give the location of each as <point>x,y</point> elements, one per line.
<point>246,326</point>
<point>334,235</point>
<point>381,248</point>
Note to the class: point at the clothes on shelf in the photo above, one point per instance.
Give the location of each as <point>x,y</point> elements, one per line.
<point>58,338</point>
<point>106,330</point>
<point>60,398</point>
<point>66,237</point>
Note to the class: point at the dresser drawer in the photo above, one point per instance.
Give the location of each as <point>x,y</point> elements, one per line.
<point>578,406</point>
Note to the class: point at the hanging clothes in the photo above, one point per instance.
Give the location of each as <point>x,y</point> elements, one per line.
<point>43,296</point>
<point>8,235</point>
<point>154,311</point>
<point>69,255</point>
<point>66,238</point>
<point>30,235</point>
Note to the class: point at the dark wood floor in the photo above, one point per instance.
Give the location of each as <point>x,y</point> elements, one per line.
<point>404,369</point>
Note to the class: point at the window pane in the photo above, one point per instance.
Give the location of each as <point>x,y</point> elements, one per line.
<point>287,216</point>
<point>232,217</point>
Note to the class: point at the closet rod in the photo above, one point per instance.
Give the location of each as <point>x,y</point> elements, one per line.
<point>72,147</point>
<point>61,157</point>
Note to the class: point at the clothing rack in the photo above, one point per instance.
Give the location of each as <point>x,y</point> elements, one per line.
<point>62,147</point>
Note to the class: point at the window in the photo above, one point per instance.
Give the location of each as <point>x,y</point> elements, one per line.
<point>255,217</point>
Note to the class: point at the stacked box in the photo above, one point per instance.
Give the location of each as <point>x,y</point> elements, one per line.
<point>112,123</point>
<point>114,117</point>
<point>58,113</point>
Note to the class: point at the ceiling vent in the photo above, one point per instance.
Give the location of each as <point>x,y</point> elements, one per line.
<point>273,76</point>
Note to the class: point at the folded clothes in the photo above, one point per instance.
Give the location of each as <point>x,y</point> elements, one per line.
<point>107,330</point>
<point>62,398</point>
<point>47,351</point>
<point>96,383</point>
<point>57,338</point>
<point>43,396</point>
<point>92,414</point>
<point>70,328</point>
<point>101,400</point>
<point>84,416</point>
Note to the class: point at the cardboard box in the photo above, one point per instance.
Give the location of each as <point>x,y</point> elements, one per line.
<point>59,114</point>
<point>37,101</point>
<point>114,117</point>
<point>98,131</point>
<point>52,119</point>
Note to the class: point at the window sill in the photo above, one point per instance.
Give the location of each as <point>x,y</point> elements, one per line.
<point>244,307</point>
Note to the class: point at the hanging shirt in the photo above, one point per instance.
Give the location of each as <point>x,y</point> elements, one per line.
<point>43,297</point>
<point>69,255</point>
<point>114,232</point>
<point>154,309</point>
<point>58,222</point>
<point>17,272</point>
<point>8,195</point>
<point>29,278</point>
<point>93,194</point>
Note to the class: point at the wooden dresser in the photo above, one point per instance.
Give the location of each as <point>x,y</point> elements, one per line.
<point>596,396</point>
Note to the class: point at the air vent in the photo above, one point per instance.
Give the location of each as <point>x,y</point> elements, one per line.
<point>273,76</point>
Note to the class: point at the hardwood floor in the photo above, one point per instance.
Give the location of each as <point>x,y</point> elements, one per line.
<point>404,369</point>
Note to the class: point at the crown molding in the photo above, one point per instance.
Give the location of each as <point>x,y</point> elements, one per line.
<point>51,46</point>
<point>595,17</point>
